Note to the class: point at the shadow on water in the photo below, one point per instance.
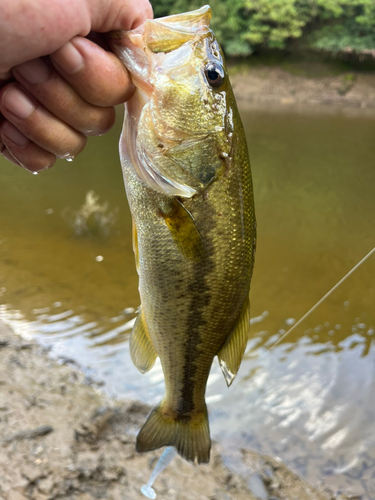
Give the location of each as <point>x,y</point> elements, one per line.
<point>67,276</point>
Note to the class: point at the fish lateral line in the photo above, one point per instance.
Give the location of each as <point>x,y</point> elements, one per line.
<point>314,307</point>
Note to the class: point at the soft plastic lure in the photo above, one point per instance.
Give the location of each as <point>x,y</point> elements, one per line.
<point>166,458</point>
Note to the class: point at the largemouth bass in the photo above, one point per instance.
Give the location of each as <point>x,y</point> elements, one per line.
<point>188,181</point>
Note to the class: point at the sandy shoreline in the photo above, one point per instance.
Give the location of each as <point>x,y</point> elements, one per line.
<point>62,437</point>
<point>262,85</point>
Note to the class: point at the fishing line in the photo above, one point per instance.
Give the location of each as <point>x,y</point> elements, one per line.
<point>320,301</point>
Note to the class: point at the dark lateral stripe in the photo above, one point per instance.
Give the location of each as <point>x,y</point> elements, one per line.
<point>201,297</point>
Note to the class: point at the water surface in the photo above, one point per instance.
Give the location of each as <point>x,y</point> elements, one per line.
<point>310,400</point>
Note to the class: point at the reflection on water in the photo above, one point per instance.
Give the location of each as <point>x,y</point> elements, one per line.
<point>310,400</point>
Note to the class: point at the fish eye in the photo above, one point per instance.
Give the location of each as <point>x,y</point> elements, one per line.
<point>214,74</point>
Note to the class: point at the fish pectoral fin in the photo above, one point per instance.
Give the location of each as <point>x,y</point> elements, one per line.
<point>135,245</point>
<point>184,231</point>
<point>230,355</point>
<point>142,351</point>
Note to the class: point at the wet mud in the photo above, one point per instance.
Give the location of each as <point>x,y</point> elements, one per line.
<point>61,437</point>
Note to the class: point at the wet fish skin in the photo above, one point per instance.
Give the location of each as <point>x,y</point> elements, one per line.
<point>188,183</point>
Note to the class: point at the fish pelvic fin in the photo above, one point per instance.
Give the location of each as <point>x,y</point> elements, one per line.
<point>142,351</point>
<point>190,436</point>
<point>231,354</point>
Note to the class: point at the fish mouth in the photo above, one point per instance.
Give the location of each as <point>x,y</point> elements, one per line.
<point>142,51</point>
<point>137,47</point>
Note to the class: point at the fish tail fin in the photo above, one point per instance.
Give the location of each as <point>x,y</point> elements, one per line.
<point>190,436</point>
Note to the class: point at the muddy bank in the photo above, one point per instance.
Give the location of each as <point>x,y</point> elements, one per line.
<point>263,84</point>
<point>61,437</point>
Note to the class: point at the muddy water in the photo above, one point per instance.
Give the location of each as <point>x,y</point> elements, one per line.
<point>67,276</point>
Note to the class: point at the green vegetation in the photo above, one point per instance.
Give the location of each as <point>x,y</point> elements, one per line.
<point>244,26</point>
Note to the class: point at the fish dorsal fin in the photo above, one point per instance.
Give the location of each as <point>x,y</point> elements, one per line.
<point>184,231</point>
<point>230,355</point>
<point>142,351</point>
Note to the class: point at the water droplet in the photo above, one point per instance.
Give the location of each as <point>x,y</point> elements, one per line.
<point>35,173</point>
<point>347,303</point>
<point>57,304</point>
<point>69,158</point>
<point>326,324</point>
<point>338,327</point>
<point>99,258</point>
<point>290,321</point>
<point>49,211</point>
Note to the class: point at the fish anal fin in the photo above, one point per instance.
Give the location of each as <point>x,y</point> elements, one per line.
<point>230,355</point>
<point>184,231</point>
<point>142,351</point>
<point>190,436</point>
<point>135,245</point>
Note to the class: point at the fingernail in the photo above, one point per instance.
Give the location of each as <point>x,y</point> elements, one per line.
<point>68,58</point>
<point>17,103</point>
<point>14,135</point>
<point>35,71</point>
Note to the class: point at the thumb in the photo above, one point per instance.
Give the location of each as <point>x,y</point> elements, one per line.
<point>41,27</point>
<point>125,15</point>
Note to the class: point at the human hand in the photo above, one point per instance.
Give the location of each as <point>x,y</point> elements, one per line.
<point>57,87</point>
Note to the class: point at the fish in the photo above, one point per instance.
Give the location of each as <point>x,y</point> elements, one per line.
<point>188,182</point>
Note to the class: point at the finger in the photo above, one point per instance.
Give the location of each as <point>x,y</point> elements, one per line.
<point>37,124</point>
<point>4,78</point>
<point>21,151</point>
<point>98,76</point>
<point>4,152</point>
<point>42,81</point>
<point>143,12</point>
